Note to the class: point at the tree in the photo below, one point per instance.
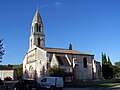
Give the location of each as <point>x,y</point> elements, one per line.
<point>107,69</point>
<point>116,70</point>
<point>11,66</point>
<point>104,59</point>
<point>56,71</point>
<point>1,49</point>
<point>117,64</point>
<point>104,66</point>
<point>109,62</point>
<point>19,69</point>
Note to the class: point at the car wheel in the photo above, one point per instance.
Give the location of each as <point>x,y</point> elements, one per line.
<point>52,88</point>
<point>37,88</point>
<point>60,88</point>
<point>16,88</point>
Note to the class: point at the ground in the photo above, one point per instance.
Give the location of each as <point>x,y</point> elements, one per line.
<point>113,84</point>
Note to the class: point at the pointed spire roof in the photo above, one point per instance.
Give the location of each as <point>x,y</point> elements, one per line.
<point>70,46</point>
<point>37,17</point>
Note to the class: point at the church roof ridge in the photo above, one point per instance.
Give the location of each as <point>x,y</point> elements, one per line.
<point>65,51</point>
<point>55,48</point>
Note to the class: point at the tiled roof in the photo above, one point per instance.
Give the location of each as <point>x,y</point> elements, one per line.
<point>97,61</point>
<point>65,51</point>
<point>62,60</point>
<point>5,68</point>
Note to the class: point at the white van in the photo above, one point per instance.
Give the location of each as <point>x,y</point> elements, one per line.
<point>52,83</point>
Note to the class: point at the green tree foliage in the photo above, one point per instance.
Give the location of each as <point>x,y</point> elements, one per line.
<point>117,64</point>
<point>104,59</point>
<point>1,49</point>
<point>56,71</point>
<point>109,62</point>
<point>9,65</point>
<point>116,70</point>
<point>107,69</point>
<point>104,70</point>
<point>19,69</point>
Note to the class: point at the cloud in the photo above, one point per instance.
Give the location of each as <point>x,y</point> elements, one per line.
<point>4,46</point>
<point>58,3</point>
<point>44,5</point>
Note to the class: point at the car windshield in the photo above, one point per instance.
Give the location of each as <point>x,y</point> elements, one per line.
<point>30,81</point>
<point>27,81</point>
<point>44,80</point>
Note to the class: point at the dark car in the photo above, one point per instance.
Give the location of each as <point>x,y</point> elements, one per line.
<point>24,84</point>
<point>1,82</point>
<point>2,86</point>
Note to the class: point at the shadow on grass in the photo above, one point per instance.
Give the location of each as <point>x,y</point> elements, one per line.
<point>105,85</point>
<point>93,84</point>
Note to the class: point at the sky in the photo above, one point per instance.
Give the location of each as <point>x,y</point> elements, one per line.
<point>91,26</point>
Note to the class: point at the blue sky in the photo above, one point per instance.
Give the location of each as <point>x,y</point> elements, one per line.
<point>92,26</point>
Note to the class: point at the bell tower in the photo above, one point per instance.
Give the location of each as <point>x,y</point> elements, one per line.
<point>37,36</point>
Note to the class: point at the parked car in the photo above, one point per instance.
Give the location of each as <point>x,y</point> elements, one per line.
<point>1,82</point>
<point>25,84</point>
<point>2,85</point>
<point>52,83</point>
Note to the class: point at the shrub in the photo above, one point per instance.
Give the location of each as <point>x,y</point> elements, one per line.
<point>7,79</point>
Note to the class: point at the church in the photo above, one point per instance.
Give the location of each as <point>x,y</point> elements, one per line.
<point>39,58</point>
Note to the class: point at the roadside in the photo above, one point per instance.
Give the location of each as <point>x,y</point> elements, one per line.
<point>94,84</point>
<point>80,85</point>
<point>112,88</point>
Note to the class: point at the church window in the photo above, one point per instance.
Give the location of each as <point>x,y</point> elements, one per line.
<point>36,27</point>
<point>31,43</point>
<point>39,41</point>
<point>31,72</point>
<point>85,62</point>
<point>39,28</point>
<point>40,61</point>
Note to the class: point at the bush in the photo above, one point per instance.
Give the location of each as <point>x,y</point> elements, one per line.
<point>7,79</point>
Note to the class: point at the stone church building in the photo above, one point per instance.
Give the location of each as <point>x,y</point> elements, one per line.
<point>39,58</point>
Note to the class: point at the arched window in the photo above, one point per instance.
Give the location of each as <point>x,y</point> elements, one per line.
<point>31,72</point>
<point>36,27</point>
<point>39,41</point>
<point>31,43</point>
<point>85,62</point>
<point>39,28</point>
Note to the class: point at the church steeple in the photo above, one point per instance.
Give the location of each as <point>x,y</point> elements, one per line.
<point>37,37</point>
<point>37,17</point>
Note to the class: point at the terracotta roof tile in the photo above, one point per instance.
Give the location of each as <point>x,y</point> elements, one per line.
<point>65,51</point>
<point>5,68</point>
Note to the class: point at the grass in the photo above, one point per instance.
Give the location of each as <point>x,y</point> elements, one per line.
<point>103,85</point>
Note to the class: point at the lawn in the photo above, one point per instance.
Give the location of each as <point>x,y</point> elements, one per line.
<point>105,85</point>
<point>94,84</point>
